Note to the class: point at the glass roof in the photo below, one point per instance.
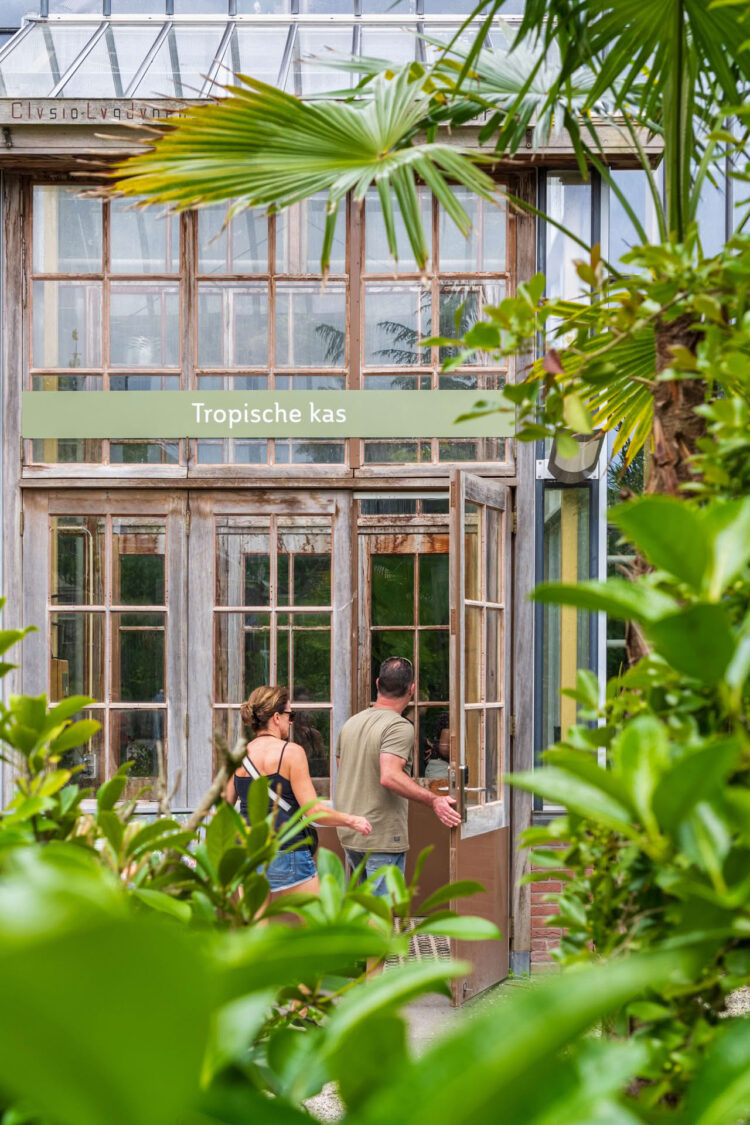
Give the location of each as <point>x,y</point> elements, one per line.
<point>74,56</point>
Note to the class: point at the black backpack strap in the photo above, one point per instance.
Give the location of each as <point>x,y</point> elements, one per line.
<point>272,795</point>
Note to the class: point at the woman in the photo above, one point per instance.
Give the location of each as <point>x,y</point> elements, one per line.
<point>284,763</point>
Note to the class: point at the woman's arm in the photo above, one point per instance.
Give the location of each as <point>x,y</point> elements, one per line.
<point>304,791</point>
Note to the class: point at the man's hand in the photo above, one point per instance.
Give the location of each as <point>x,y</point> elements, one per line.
<point>446,814</point>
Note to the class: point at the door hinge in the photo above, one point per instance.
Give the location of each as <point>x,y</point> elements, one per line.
<point>22,454</point>
<point>187,726</point>
<point>513,726</point>
<point>188,518</point>
<point>514,521</point>
<point>21,522</point>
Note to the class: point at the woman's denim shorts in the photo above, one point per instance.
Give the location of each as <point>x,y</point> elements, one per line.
<point>291,869</point>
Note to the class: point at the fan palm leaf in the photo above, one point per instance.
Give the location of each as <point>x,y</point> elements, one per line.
<point>261,147</point>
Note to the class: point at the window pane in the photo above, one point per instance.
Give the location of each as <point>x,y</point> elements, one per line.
<point>138,7</point>
<point>108,69</point>
<point>67,323</point>
<point>144,382</point>
<point>312,50</point>
<point>312,731</point>
<point>396,45</point>
<point>493,641</point>
<point>182,62</point>
<point>434,740</point>
<point>304,563</point>
<point>254,50</point>
<point>565,629</point>
<point>310,325</point>
<point>434,665</point>
<point>472,559</point>
<point>389,643</point>
<point>299,237</point>
<point>243,566</point>
<point>231,451</point>
<point>568,201</point>
<point>316,451</point>
<point>622,234</point>
<point>311,654</point>
<point>494,556</point>
<point>67,232</point>
<point>259,7</point>
<point>461,306</point>
<point>397,317</point>
<point>139,737</point>
<point>473,724</point>
<point>392,589</point>
<point>90,758</point>
<point>484,249</point>
<point>493,754</point>
<point>144,324</point>
<point>377,256</point>
<point>35,66</point>
<point>76,655</point>
<point>233,325</point>
<point>473,649</point>
<point>242,247</point>
<point>143,240</point>
<point>144,452</point>
<point>138,651</point>
<point>396,452</point>
<point>433,589</point>
<point>77,558</point>
<point>138,551</point>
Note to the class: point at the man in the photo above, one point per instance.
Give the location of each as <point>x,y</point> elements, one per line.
<point>374,752</point>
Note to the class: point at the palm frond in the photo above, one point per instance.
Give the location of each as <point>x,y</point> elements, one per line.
<point>262,147</point>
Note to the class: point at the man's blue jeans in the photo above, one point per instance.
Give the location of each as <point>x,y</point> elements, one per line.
<point>374,861</point>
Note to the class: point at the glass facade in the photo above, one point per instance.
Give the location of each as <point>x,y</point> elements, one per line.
<point>114,307</point>
<point>136,54</point>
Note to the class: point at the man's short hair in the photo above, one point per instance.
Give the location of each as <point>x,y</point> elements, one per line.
<point>395,677</point>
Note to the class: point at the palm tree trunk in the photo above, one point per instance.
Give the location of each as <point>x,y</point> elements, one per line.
<point>677,425</point>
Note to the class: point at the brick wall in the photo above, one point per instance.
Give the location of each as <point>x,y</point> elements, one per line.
<point>543,938</point>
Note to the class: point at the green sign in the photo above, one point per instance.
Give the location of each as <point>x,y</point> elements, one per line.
<point>247,414</point>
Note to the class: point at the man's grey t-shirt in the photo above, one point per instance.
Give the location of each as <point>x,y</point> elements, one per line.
<point>362,740</point>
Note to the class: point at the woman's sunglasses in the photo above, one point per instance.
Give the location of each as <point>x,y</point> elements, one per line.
<point>289,715</point>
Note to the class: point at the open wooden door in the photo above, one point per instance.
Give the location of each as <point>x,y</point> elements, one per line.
<point>480,633</point>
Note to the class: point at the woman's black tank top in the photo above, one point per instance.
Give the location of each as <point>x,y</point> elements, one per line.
<point>279,784</point>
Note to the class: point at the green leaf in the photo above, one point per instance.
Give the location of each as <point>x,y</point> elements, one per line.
<point>110,793</point>
<point>641,754</point>
<point>75,735</point>
<point>369,1050</point>
<point>112,828</point>
<point>697,642</point>
<point>272,956</point>
<point>164,903</point>
<point>148,834</point>
<point>92,1051</point>
<point>495,1058</point>
<point>576,414</point>
<point>233,1028</point>
<point>628,601</point>
<point>670,533</point>
<point>380,995</point>
<point>221,834</point>
<point>463,928</point>
<point>460,889</point>
<point>720,1092</point>
<point>579,796</point>
<point>727,526</point>
<point>689,779</point>
<point>257,801</point>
